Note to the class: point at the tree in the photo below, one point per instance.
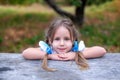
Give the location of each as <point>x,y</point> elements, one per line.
<point>77,18</point>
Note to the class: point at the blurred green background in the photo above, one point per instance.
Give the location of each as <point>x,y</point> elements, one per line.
<point>22,23</point>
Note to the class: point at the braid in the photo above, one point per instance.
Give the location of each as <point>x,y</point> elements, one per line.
<point>45,64</point>
<point>81,61</point>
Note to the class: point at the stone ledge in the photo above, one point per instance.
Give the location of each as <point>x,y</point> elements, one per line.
<point>15,67</point>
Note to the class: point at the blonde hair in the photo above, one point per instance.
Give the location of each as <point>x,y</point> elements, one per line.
<point>68,24</point>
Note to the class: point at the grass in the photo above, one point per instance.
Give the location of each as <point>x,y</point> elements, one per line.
<point>102,26</point>
<point>22,27</point>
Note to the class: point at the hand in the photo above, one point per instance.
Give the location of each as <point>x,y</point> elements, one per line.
<point>54,57</point>
<point>67,56</point>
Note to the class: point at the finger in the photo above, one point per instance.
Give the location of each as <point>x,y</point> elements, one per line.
<point>62,57</point>
<point>65,59</point>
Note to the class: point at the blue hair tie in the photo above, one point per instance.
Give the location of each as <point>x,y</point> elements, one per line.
<point>78,46</point>
<point>75,46</point>
<point>45,47</point>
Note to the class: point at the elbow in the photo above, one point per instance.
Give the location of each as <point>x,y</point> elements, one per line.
<point>25,54</point>
<point>103,51</point>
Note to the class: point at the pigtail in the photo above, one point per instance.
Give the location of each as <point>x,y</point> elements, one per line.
<point>81,61</point>
<point>45,64</point>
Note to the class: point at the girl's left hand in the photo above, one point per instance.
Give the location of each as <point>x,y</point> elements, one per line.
<point>67,56</point>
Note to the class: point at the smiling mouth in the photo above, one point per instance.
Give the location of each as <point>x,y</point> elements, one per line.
<point>62,49</point>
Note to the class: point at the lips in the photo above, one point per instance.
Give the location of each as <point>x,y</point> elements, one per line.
<point>61,49</point>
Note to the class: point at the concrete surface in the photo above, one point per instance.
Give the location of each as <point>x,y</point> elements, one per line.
<point>15,67</point>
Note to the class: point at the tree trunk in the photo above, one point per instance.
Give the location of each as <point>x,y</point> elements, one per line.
<point>77,18</point>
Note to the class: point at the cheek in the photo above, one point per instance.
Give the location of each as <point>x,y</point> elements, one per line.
<point>69,45</point>
<point>54,44</point>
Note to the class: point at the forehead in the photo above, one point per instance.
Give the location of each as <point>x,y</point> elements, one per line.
<point>62,31</point>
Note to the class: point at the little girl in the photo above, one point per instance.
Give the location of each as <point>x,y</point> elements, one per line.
<point>62,43</point>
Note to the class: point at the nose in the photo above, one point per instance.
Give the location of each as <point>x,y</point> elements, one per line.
<point>61,42</point>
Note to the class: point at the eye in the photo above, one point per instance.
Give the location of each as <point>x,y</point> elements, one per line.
<point>66,38</point>
<point>57,38</point>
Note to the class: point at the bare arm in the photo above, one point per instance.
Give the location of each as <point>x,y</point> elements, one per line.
<point>91,52</point>
<point>33,53</point>
<point>94,52</point>
<point>36,53</point>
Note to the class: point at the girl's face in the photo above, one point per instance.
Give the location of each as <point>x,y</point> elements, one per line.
<point>62,42</point>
